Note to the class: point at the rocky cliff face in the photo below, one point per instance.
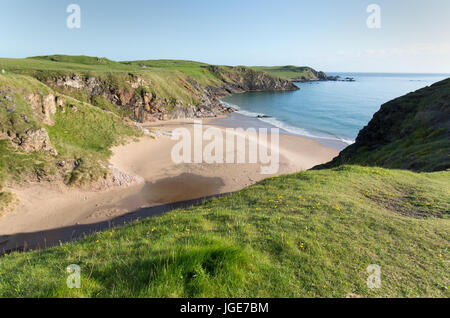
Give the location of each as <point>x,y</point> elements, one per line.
<point>313,75</point>
<point>243,79</point>
<point>137,99</point>
<point>22,130</point>
<point>410,132</point>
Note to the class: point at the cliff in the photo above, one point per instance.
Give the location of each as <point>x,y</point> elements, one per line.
<point>146,90</point>
<point>410,132</point>
<point>295,73</point>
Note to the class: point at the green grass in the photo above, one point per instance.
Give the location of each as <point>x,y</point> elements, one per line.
<point>85,130</point>
<point>86,133</point>
<point>169,78</point>
<point>16,165</point>
<point>7,199</point>
<point>288,72</point>
<point>196,70</point>
<point>310,234</point>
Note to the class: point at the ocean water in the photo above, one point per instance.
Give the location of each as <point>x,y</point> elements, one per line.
<point>330,112</point>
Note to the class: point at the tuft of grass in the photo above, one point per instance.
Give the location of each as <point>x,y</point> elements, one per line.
<point>310,234</point>
<point>7,200</point>
<point>16,166</point>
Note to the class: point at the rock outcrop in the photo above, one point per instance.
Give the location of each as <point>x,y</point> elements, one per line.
<point>37,140</point>
<point>314,76</point>
<point>22,130</point>
<point>43,107</point>
<point>115,178</point>
<point>244,79</point>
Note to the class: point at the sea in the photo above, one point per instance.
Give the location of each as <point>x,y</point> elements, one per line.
<point>331,112</point>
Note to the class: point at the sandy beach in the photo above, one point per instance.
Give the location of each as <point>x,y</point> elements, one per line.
<point>53,206</point>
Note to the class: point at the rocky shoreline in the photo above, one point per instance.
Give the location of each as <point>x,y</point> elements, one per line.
<point>324,78</point>
<point>143,105</point>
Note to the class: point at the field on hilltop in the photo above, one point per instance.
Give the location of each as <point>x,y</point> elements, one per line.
<point>167,79</point>
<point>290,72</point>
<point>170,79</point>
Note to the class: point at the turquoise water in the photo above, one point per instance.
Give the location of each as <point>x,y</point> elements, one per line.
<point>330,110</point>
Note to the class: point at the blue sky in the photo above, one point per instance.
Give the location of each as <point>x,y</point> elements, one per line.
<point>327,35</point>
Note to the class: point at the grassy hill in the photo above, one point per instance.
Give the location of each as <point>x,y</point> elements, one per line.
<point>310,234</point>
<point>290,72</point>
<point>168,81</point>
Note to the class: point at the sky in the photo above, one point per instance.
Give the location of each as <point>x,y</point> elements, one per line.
<point>333,36</point>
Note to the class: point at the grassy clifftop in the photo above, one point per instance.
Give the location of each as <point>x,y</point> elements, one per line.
<point>409,132</point>
<point>171,83</point>
<point>295,73</point>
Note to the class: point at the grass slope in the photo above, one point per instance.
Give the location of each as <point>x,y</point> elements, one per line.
<point>289,71</point>
<point>311,234</point>
<point>169,79</point>
<point>410,132</point>
<point>168,82</point>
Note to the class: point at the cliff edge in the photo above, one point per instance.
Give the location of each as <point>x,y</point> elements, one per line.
<point>410,132</point>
